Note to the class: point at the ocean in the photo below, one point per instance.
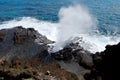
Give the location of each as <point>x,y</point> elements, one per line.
<point>97,21</point>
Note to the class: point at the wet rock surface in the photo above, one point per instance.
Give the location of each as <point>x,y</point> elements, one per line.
<point>98,66</point>
<point>24,56</point>
<point>75,59</point>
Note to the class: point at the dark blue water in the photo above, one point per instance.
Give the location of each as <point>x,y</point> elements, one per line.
<point>41,9</point>
<point>106,11</point>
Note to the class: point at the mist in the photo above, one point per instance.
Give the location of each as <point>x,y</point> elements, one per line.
<point>74,20</point>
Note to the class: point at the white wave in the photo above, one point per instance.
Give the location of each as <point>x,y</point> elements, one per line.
<point>73,21</point>
<point>48,29</point>
<point>95,43</point>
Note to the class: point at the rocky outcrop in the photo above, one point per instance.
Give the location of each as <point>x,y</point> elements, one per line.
<point>21,42</point>
<point>98,66</point>
<point>33,69</point>
<point>72,53</point>
<point>105,64</point>
<point>24,56</point>
<point>75,59</point>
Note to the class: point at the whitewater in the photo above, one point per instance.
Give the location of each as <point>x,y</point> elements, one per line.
<point>74,21</point>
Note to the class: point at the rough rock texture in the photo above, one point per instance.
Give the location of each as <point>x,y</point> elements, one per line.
<point>33,69</point>
<point>72,53</point>
<point>75,59</point>
<point>99,66</point>
<point>106,64</point>
<point>21,42</point>
<point>24,56</point>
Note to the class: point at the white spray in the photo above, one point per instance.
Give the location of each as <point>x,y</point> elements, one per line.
<point>73,21</point>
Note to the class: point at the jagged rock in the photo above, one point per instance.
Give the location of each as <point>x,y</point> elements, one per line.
<point>72,53</point>
<point>18,47</point>
<point>80,55</point>
<point>108,65</point>
<point>75,59</point>
<point>105,64</point>
<point>84,58</point>
<point>21,42</point>
<point>36,70</point>
<point>65,54</point>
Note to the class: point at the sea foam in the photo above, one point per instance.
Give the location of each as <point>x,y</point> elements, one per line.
<point>74,21</point>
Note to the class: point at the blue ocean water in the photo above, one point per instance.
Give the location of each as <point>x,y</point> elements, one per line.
<point>96,21</point>
<point>107,12</point>
<point>40,9</point>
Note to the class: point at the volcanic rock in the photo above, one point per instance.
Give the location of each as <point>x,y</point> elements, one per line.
<point>33,69</point>
<point>75,59</point>
<point>21,42</point>
<point>71,53</point>
<point>105,64</point>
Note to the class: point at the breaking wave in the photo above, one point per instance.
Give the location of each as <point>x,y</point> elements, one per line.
<point>74,21</point>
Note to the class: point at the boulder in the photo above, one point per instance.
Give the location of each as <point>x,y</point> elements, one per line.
<point>105,64</point>
<point>72,53</point>
<point>75,59</point>
<point>22,42</point>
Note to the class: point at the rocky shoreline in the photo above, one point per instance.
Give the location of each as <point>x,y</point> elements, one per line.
<point>24,56</point>
<point>33,69</point>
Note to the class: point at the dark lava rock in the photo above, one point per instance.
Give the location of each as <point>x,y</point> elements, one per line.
<point>20,46</point>
<point>75,59</point>
<point>106,64</point>
<point>73,54</point>
<point>64,54</point>
<point>21,42</point>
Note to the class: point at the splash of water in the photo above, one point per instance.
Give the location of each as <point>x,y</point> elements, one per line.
<point>73,21</point>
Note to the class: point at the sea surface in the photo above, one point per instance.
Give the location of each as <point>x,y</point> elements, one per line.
<point>32,12</point>
<point>106,11</point>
